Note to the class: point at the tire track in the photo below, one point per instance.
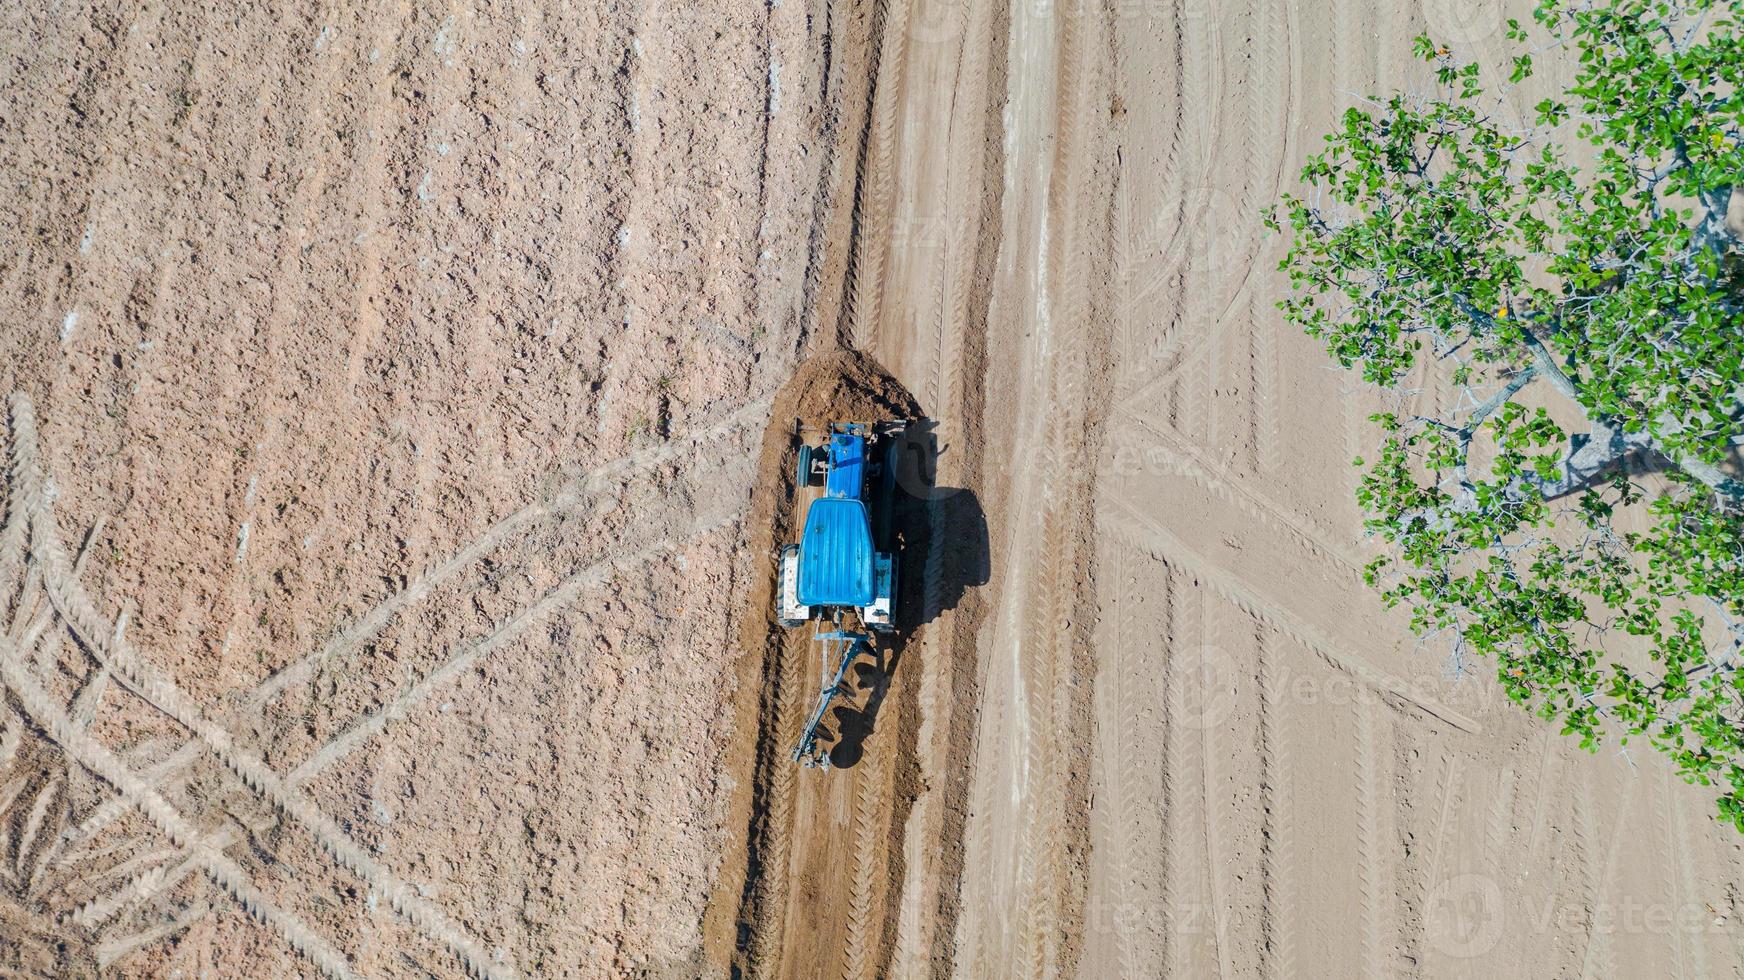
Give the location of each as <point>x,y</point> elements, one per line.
<point>375,722</point>
<point>1217,856</point>
<point>1598,957</point>
<point>1345,70</point>
<point>1579,873</point>
<point>1201,410</point>
<point>1242,791</point>
<point>1042,626</point>
<point>26,854</point>
<point>1046,691</point>
<point>952,330</point>
<point>1496,821</point>
<point>1450,782</point>
<point>606,479</point>
<point>1446,787</point>
<point>13,547</point>
<point>1543,783</point>
<point>109,951</point>
<point>149,860</point>
<point>775,831</point>
<point>979,843</point>
<point>862,929</point>
<point>1210,72</point>
<point>764,911</point>
<point>1080,369</point>
<point>1225,585</point>
<point>77,610</point>
<point>228,875</point>
<point>1684,887</point>
<point>603,480</point>
<point>1374,868</point>
<point>151,884</point>
<point>969,229</point>
<point>915,928</point>
<point>1177,731</point>
<point>1032,784</point>
<point>1029,619</point>
<point>1045,662</point>
<point>1260,84</point>
<point>253,772</point>
<point>11,734</point>
<point>1496,847</point>
<point>1114,792</point>
<point>1188,898</point>
<point>1266,379</point>
<point>1277,842</point>
<point>1269,99</point>
<point>1189,460</point>
<point>1268,102</point>
<point>873,176</point>
<point>1673,869</point>
<point>1133,752</point>
<point>1136,339</point>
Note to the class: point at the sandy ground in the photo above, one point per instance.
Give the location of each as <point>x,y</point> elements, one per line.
<point>399,443</point>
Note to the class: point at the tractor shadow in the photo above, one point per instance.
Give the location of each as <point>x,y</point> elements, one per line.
<point>945,552</point>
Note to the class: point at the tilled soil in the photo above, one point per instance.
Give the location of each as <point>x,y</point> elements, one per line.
<point>405,371</point>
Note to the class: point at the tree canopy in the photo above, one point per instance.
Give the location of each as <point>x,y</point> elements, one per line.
<point>1579,519</point>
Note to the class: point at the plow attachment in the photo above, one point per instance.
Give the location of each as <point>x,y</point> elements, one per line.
<point>842,646</point>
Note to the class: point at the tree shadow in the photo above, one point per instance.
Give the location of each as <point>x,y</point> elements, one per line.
<point>942,534</point>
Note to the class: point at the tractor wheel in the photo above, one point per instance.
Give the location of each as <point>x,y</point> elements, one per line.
<point>802,473</point>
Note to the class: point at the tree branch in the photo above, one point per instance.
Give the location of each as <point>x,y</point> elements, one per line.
<point>1546,362</point>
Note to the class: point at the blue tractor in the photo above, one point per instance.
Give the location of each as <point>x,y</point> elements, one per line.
<point>845,564</point>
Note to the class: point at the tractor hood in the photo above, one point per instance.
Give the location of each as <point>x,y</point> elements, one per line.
<point>847,466</point>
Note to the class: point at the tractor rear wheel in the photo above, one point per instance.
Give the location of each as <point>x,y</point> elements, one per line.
<point>802,473</point>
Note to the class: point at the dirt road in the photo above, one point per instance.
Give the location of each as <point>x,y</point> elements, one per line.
<point>1200,746</point>
<point>389,501</point>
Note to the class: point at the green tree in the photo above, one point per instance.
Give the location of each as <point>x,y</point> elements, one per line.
<point>1580,260</point>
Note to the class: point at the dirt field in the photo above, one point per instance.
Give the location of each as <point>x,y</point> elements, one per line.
<point>397,445</point>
